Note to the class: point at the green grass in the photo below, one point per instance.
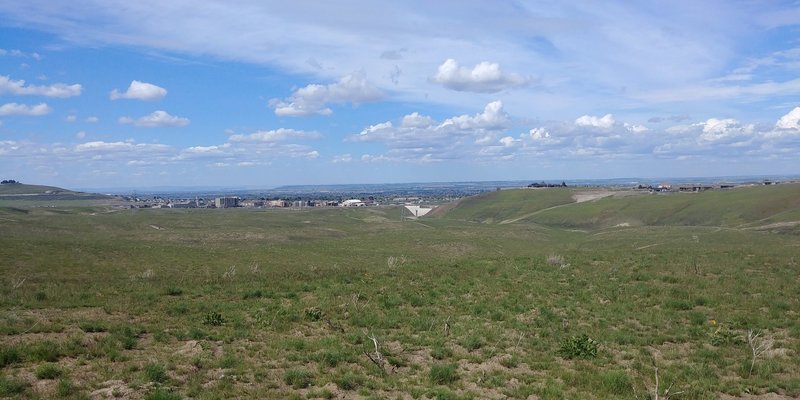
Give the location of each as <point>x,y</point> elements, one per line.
<point>473,307</point>
<point>48,371</point>
<point>443,374</point>
<point>156,373</point>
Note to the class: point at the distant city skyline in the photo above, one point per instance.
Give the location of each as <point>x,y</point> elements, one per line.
<point>263,94</point>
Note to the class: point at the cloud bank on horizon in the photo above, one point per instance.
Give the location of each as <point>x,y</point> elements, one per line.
<point>269,93</point>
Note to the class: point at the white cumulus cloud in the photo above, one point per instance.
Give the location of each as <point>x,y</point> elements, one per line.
<point>158,119</point>
<point>605,122</point>
<point>419,138</point>
<point>790,120</point>
<point>718,129</point>
<point>24,109</point>
<point>60,90</point>
<point>314,99</point>
<point>140,91</point>
<point>275,135</point>
<point>493,117</point>
<point>485,77</point>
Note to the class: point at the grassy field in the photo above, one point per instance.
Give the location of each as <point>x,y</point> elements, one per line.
<point>520,294</point>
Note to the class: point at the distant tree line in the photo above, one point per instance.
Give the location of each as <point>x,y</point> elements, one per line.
<point>8,182</point>
<point>546,185</point>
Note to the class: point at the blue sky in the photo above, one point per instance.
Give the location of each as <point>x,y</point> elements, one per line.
<point>131,94</point>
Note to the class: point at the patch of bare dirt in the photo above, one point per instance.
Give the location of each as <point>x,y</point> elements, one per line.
<point>581,197</point>
<point>190,349</point>
<point>117,389</point>
<point>768,396</point>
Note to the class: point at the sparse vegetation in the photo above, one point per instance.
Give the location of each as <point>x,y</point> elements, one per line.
<point>443,374</point>
<point>298,378</point>
<point>48,371</point>
<point>468,311</point>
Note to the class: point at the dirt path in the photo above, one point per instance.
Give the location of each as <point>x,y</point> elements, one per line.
<point>579,197</point>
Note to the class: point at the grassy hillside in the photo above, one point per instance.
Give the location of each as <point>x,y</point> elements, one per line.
<point>281,304</point>
<point>21,188</point>
<point>744,207</point>
<point>729,208</point>
<point>18,194</point>
<point>503,205</point>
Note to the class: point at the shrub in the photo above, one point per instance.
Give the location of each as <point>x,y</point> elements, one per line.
<point>298,378</point>
<point>314,313</point>
<point>723,336</point>
<point>578,347</point>
<point>443,374</point>
<point>214,319</point>
<point>155,373</point>
<point>48,371</point>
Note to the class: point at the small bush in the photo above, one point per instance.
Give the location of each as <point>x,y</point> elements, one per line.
<point>314,314</point>
<point>298,378</point>
<point>214,319</point>
<point>443,374</point>
<point>155,373</point>
<point>48,371</point>
<point>40,296</point>
<point>723,336</point>
<point>578,347</point>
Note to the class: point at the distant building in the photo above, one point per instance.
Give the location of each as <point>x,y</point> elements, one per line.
<point>226,202</point>
<point>353,203</point>
<point>252,203</point>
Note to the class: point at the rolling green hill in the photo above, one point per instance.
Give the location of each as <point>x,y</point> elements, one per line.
<point>21,188</point>
<point>745,207</point>
<point>21,192</point>
<point>503,205</point>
